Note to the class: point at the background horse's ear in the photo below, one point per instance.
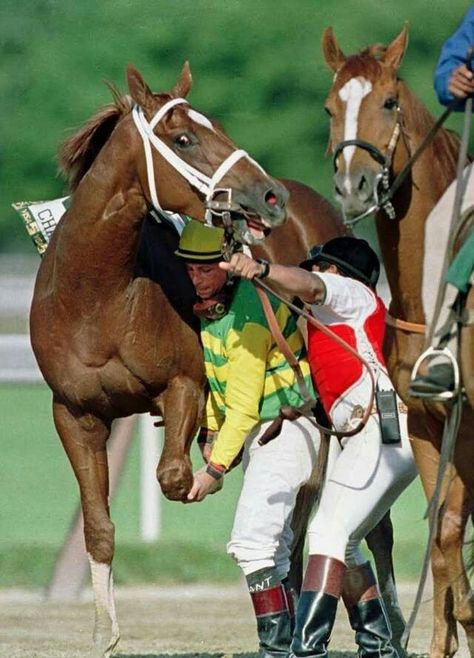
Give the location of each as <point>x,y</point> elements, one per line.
<point>333,55</point>
<point>395,51</point>
<point>184,84</point>
<point>139,90</point>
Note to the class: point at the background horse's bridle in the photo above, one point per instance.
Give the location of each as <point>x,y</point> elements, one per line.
<point>382,179</point>
<point>205,184</point>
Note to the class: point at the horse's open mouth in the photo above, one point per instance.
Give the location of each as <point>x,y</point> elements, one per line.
<point>257,226</point>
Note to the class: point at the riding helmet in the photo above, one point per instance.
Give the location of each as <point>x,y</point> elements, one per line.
<point>353,256</point>
<point>200,243</point>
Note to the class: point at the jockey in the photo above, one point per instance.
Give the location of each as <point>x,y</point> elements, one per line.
<point>249,379</point>
<point>374,466</point>
<point>454,79</point>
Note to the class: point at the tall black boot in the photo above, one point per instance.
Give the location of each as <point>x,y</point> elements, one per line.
<point>367,613</point>
<point>317,606</point>
<point>292,602</point>
<point>272,611</point>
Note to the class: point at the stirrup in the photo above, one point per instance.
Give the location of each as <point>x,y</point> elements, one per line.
<point>447,395</point>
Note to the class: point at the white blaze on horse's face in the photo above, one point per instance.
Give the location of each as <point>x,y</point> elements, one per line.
<point>197,117</point>
<point>352,94</point>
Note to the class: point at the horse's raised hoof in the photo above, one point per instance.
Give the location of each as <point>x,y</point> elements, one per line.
<point>176,479</point>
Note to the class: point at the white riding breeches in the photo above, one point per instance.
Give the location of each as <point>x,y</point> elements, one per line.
<point>262,536</point>
<point>437,236</point>
<point>362,484</point>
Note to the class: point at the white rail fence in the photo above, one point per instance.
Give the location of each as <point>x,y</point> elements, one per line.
<point>18,366</point>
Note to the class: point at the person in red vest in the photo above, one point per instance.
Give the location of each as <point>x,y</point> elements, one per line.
<point>374,466</point>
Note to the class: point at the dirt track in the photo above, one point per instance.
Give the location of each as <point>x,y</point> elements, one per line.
<point>195,620</point>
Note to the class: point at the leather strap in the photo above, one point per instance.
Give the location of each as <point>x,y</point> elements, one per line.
<point>404,325</point>
<point>306,410</point>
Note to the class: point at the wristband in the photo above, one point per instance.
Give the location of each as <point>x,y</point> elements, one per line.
<point>216,471</point>
<point>266,268</point>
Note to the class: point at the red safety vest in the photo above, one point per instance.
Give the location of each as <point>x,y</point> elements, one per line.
<point>333,368</point>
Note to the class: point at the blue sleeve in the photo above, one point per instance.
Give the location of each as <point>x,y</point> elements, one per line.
<point>453,54</point>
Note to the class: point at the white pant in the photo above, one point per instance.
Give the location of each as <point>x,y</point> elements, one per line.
<point>437,236</point>
<point>364,481</point>
<point>273,473</point>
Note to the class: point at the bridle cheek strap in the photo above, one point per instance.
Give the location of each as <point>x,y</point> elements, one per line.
<point>205,184</point>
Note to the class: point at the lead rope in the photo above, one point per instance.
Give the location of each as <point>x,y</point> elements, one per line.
<point>306,409</point>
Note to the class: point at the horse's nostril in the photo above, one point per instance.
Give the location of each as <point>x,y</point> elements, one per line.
<point>337,190</point>
<point>271,198</point>
<point>361,183</point>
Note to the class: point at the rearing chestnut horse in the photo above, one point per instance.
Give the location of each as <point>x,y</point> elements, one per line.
<point>376,124</point>
<point>109,343</point>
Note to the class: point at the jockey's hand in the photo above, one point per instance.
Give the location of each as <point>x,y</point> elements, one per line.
<point>203,485</point>
<point>461,82</point>
<point>242,265</point>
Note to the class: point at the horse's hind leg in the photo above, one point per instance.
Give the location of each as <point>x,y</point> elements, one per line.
<point>380,543</point>
<point>182,406</point>
<point>84,439</point>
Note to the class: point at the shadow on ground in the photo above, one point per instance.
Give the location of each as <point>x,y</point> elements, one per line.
<point>333,654</point>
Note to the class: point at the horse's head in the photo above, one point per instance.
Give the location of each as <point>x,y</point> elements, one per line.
<point>363,104</point>
<point>194,168</point>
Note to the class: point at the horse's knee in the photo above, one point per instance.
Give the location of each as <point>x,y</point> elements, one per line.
<point>450,532</point>
<point>175,477</point>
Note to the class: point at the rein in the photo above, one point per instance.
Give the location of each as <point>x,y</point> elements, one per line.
<point>205,184</point>
<point>306,409</point>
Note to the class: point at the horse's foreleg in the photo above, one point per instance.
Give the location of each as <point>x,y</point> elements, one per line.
<point>182,407</point>
<point>449,540</point>
<point>380,543</point>
<point>84,439</point>
<point>444,642</point>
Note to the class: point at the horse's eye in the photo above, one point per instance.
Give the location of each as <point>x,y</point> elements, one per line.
<point>182,140</point>
<point>391,103</point>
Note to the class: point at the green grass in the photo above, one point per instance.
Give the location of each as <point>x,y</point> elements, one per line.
<point>38,497</point>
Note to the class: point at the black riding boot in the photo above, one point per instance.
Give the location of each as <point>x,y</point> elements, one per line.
<point>292,602</point>
<point>272,610</point>
<point>367,613</point>
<point>317,606</point>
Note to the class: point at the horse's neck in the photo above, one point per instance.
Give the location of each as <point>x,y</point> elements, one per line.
<point>98,239</point>
<point>402,240</point>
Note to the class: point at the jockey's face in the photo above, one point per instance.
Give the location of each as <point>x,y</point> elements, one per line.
<point>207,278</point>
<point>325,267</point>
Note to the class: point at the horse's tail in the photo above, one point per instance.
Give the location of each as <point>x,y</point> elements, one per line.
<point>305,503</point>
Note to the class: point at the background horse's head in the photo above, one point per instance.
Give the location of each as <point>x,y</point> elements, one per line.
<point>363,104</point>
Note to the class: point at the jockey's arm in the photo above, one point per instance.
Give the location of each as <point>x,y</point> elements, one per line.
<point>295,281</point>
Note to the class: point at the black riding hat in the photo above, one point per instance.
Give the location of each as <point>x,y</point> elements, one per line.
<point>353,256</point>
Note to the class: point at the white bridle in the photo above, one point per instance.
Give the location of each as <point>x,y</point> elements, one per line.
<point>205,184</point>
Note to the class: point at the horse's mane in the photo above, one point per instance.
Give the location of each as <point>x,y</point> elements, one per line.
<point>78,152</point>
<point>445,142</point>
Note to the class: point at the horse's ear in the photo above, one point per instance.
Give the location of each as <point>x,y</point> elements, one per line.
<point>395,51</point>
<point>333,55</point>
<point>139,90</point>
<point>184,84</point>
